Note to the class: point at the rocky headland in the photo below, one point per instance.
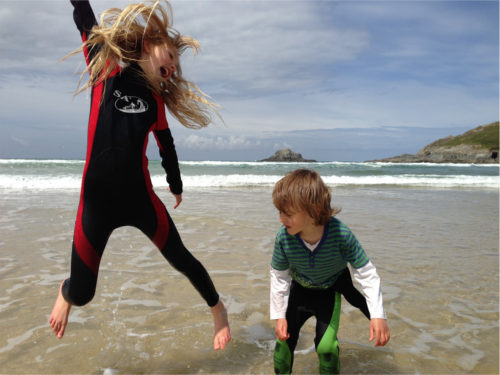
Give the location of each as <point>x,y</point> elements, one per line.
<point>477,146</point>
<point>287,155</point>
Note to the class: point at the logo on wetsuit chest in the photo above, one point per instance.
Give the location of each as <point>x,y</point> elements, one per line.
<point>130,104</point>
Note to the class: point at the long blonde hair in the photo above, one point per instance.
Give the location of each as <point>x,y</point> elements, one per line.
<point>119,38</point>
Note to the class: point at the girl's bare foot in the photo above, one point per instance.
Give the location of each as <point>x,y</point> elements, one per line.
<point>59,316</point>
<point>222,333</point>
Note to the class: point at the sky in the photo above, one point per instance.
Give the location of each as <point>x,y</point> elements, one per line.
<point>333,80</point>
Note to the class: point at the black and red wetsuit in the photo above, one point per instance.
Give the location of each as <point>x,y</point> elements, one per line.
<point>116,188</point>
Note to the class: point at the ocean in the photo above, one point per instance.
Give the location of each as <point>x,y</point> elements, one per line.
<point>66,174</point>
<point>432,231</point>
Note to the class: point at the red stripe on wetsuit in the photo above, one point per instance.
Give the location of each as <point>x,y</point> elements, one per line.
<point>84,248</point>
<point>161,235</point>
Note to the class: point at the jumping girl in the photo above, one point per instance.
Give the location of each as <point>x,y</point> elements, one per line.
<point>133,65</point>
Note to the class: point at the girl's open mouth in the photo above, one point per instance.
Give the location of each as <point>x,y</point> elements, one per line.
<point>164,73</point>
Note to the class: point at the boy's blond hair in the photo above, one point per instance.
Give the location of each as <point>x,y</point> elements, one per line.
<point>119,39</point>
<point>304,190</point>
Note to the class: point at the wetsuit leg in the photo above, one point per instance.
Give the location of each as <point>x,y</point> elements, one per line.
<point>183,261</point>
<point>283,358</point>
<point>345,286</point>
<point>92,230</point>
<point>103,211</point>
<point>297,313</point>
<point>327,346</point>
<point>302,304</point>
<point>157,224</point>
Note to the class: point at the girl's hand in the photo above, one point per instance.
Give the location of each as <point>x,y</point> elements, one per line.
<point>178,198</point>
<point>282,329</point>
<point>380,331</point>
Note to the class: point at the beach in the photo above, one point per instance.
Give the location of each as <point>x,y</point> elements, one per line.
<point>435,248</point>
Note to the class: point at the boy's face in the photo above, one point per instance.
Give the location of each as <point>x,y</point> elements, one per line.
<point>296,221</point>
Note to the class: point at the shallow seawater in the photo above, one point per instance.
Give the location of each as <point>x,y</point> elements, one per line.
<point>436,251</point>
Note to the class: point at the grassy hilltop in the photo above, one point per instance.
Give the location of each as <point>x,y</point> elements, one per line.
<point>485,136</point>
<point>479,145</point>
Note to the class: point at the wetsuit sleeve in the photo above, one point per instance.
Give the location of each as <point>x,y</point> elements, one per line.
<point>84,18</point>
<point>369,280</point>
<point>280,279</point>
<point>280,291</point>
<point>169,160</point>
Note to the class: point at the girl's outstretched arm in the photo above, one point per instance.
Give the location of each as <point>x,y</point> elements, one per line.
<point>84,18</point>
<point>83,15</point>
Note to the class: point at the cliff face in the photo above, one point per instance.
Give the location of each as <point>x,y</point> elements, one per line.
<point>287,155</point>
<point>458,154</point>
<point>477,146</point>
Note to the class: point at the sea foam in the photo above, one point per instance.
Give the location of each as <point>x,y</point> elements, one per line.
<point>67,174</point>
<point>37,182</point>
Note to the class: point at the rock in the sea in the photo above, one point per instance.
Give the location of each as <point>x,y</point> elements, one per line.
<point>287,155</point>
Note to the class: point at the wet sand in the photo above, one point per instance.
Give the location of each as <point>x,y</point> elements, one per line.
<point>436,252</point>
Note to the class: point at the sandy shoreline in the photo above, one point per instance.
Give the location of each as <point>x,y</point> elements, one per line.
<point>436,251</point>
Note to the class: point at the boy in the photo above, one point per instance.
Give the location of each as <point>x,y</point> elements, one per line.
<point>309,269</point>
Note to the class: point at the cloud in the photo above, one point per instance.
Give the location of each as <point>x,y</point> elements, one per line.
<point>364,104</point>
<point>19,141</point>
<point>278,68</point>
<point>248,48</point>
<point>198,142</point>
<point>47,35</point>
<point>435,41</point>
<point>265,48</point>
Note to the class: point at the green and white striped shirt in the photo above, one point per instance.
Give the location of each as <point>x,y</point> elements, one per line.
<point>320,268</point>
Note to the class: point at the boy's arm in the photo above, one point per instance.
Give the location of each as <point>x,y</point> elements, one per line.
<point>369,280</point>
<point>364,272</point>
<point>366,275</point>
<point>280,291</point>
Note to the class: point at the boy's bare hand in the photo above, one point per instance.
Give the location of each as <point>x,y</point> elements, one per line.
<point>380,331</point>
<point>282,329</point>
